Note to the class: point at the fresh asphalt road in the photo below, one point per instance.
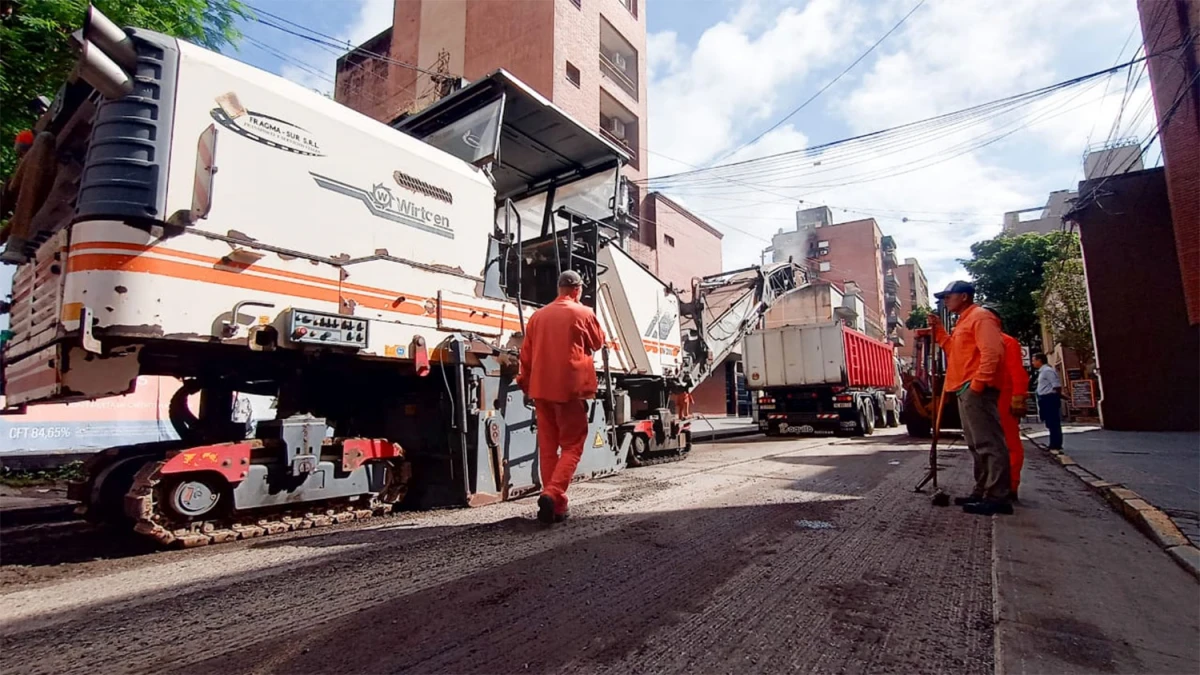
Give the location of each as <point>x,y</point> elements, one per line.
<point>756,555</point>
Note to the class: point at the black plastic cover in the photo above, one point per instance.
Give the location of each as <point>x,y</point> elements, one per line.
<point>125,174</point>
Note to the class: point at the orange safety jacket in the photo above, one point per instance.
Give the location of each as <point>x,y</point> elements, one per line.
<point>556,357</point>
<point>973,349</point>
<point>1015,379</point>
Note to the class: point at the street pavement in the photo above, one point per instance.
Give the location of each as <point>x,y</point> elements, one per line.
<point>753,555</point>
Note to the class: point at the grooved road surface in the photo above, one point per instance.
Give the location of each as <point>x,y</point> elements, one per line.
<point>804,555</point>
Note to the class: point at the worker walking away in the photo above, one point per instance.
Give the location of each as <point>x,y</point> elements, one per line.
<point>1049,398</point>
<point>974,352</point>
<point>1014,385</point>
<point>558,372</point>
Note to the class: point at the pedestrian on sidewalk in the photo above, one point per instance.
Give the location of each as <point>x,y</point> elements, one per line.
<point>559,373</point>
<point>973,353</point>
<point>1014,385</point>
<point>1049,398</point>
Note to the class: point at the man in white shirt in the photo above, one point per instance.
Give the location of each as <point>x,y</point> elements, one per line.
<point>1049,397</point>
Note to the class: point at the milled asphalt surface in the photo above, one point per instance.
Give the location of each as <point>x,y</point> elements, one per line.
<point>752,555</point>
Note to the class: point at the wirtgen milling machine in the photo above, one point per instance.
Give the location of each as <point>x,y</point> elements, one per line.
<point>187,215</point>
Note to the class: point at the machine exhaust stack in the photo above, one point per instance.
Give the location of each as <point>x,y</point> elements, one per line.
<point>108,57</point>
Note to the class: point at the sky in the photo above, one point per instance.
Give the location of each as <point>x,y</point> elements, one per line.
<point>721,72</point>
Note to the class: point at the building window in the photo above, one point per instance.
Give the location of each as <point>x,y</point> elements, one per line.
<point>670,241</point>
<point>572,74</point>
<point>630,5</point>
<point>822,244</point>
<point>824,267</point>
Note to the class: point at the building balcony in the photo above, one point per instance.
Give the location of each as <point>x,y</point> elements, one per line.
<point>891,301</point>
<point>618,59</point>
<point>615,73</point>
<point>893,322</point>
<point>890,283</point>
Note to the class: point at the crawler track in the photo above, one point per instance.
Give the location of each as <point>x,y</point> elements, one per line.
<point>143,503</point>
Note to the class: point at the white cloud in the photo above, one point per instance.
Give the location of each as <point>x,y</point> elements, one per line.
<point>700,97</point>
<point>948,55</point>
<point>369,18</point>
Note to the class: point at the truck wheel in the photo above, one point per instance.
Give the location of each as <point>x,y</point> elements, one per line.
<point>869,417</point>
<point>893,420</point>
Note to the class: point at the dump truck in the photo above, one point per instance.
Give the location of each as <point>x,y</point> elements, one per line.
<point>183,214</point>
<point>821,379</point>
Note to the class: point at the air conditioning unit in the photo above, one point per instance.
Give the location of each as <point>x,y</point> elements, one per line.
<point>618,60</point>
<point>617,127</point>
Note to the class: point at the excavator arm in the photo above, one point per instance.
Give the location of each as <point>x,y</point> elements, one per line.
<point>724,308</point>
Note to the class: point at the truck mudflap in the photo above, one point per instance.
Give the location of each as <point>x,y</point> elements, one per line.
<point>804,424</point>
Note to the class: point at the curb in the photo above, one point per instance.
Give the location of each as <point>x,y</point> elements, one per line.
<point>1155,524</point>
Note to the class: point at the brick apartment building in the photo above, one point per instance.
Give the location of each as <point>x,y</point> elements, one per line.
<point>855,251</point>
<point>587,56</point>
<point>914,292</point>
<point>1172,28</point>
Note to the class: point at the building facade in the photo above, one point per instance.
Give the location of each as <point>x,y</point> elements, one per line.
<point>854,251</point>
<point>914,292</point>
<point>1169,30</point>
<point>1147,352</point>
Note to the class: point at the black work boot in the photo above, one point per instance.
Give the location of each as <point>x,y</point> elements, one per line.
<point>546,509</point>
<point>989,507</point>
<point>969,499</point>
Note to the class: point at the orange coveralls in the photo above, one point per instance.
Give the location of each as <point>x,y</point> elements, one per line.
<point>1014,382</point>
<point>559,374</point>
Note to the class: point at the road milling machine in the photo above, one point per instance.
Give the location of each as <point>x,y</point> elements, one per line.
<point>183,214</point>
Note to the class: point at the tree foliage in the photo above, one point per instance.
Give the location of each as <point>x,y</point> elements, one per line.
<point>918,318</point>
<point>1009,273</point>
<point>1064,307</point>
<point>36,55</point>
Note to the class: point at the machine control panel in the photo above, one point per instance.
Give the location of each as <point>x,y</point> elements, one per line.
<point>333,330</point>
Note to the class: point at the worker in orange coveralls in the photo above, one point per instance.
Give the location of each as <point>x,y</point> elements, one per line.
<point>559,374</point>
<point>683,405</point>
<point>1014,385</point>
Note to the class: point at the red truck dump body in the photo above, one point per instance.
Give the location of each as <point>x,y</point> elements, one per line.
<point>869,362</point>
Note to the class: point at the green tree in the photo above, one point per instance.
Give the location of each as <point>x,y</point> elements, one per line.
<point>1009,272</point>
<point>918,318</point>
<point>36,54</point>
<point>1064,307</point>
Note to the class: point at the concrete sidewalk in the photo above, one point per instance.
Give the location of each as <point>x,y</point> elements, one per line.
<point>1162,467</point>
<point>1079,590</point>
<point>705,428</point>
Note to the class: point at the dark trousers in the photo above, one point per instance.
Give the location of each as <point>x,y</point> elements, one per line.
<point>984,434</point>
<point>1050,411</point>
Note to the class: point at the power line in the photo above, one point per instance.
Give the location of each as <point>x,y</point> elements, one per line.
<point>829,84</point>
<point>1022,98</point>
<point>330,41</point>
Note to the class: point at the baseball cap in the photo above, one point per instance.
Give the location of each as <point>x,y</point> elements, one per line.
<point>570,278</point>
<point>957,287</point>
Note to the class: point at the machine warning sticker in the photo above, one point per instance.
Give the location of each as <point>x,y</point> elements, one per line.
<point>269,131</point>
<point>660,325</point>
<point>380,201</point>
<point>599,442</point>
